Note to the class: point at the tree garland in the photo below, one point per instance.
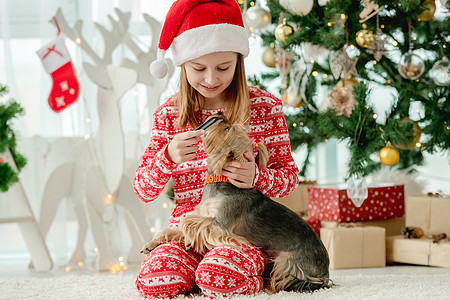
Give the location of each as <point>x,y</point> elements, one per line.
<point>9,111</point>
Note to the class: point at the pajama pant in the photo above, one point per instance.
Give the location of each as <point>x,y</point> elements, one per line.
<point>169,270</point>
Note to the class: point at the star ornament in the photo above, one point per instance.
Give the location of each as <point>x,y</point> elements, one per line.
<point>348,65</point>
<point>377,48</point>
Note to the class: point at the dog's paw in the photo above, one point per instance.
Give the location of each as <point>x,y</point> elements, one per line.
<point>148,247</point>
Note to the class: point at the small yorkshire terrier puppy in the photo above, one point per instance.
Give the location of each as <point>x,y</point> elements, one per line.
<point>228,215</point>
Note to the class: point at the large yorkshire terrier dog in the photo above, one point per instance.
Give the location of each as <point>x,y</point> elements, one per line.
<point>228,215</point>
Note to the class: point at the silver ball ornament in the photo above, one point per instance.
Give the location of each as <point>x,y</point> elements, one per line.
<point>257,17</point>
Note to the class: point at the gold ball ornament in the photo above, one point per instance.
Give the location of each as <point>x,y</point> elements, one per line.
<point>365,37</point>
<point>283,31</point>
<point>417,132</point>
<point>389,155</point>
<point>269,57</point>
<point>429,7</point>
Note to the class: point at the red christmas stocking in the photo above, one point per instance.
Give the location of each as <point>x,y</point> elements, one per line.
<point>57,63</point>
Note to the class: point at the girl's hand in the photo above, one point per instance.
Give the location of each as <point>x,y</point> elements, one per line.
<point>184,146</point>
<point>241,174</point>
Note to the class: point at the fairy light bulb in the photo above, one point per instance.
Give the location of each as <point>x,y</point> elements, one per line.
<point>87,136</point>
<point>80,263</point>
<point>418,145</point>
<point>68,268</point>
<point>325,75</point>
<point>152,230</point>
<point>78,41</point>
<point>294,125</point>
<point>313,61</point>
<point>395,43</point>
<point>109,199</point>
<point>375,116</point>
<point>88,120</point>
<point>165,205</point>
<point>315,73</point>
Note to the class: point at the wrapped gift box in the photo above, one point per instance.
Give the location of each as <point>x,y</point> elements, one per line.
<point>392,226</point>
<point>298,199</point>
<point>418,251</point>
<point>429,213</point>
<point>355,247</point>
<point>330,203</point>
<point>315,225</point>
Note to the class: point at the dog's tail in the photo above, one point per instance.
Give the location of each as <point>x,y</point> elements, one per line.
<point>287,275</point>
<point>203,233</point>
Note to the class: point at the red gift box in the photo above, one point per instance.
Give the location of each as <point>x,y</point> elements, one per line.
<point>330,203</point>
<point>315,224</point>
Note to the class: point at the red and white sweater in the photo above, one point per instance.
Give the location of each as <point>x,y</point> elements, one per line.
<point>267,125</point>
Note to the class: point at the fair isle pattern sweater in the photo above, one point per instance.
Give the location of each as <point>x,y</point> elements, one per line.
<point>267,125</point>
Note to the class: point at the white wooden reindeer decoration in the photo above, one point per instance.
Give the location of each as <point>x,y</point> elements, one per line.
<point>92,172</point>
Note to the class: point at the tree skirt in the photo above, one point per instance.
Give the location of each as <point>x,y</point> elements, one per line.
<point>391,286</point>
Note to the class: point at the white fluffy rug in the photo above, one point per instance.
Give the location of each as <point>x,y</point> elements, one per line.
<point>392,286</point>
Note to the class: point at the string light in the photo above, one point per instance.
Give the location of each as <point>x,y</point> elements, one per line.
<point>165,205</point>
<point>329,24</point>
<point>152,230</point>
<point>109,199</point>
<point>418,145</point>
<point>315,73</point>
<point>80,263</point>
<point>88,120</point>
<point>241,1</point>
<point>326,140</point>
<point>301,123</point>
<point>374,62</point>
<point>445,46</point>
<point>313,61</point>
<point>395,43</point>
<point>325,75</point>
<point>68,268</point>
<point>388,81</point>
<point>294,125</point>
<point>78,41</point>
<point>375,116</point>
<point>382,26</point>
<point>343,16</point>
<point>252,3</point>
<point>87,136</point>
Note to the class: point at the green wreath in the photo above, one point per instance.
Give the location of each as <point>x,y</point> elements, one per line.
<point>9,111</point>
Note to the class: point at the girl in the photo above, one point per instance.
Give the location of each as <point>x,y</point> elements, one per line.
<point>209,42</point>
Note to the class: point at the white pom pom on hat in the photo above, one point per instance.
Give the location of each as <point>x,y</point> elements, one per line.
<point>159,67</point>
<point>194,28</point>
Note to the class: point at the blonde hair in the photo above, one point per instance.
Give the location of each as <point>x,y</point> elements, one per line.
<point>189,103</point>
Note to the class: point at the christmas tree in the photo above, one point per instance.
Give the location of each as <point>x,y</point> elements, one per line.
<point>360,46</point>
<point>8,111</point>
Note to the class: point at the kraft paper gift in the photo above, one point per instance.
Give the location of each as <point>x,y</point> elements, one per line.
<point>430,213</point>
<point>297,201</point>
<point>418,251</point>
<point>355,247</point>
<point>392,226</point>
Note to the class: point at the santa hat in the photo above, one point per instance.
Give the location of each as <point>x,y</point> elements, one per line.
<point>194,28</point>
